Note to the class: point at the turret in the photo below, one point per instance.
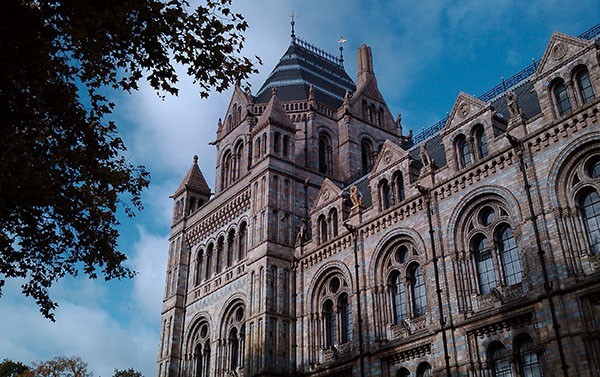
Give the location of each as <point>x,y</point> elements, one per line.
<point>192,193</point>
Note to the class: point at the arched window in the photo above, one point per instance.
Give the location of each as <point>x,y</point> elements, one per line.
<point>495,253</point>
<point>463,150</point>
<point>324,154</point>
<point>485,264</point>
<point>219,255</point>
<point>226,170</point>
<point>243,241</point>
<point>264,144</point>
<point>333,219</point>
<point>589,204</point>
<point>286,145</point>
<point>345,318</point>
<point>201,345</point>
<point>403,372</point>
<point>233,337</point>
<point>234,349</point>
<point>385,194</point>
<point>239,114</point>
<point>398,292</point>
<point>323,231</point>
<point>239,155</point>
<point>418,291</point>
<point>229,121</point>
<point>366,153</point>
<point>199,258</point>
<point>481,142</point>
<point>277,142</point>
<point>208,267</point>
<point>230,247</point>
<point>333,311</point>
<point>527,360</point>
<point>424,370</point>
<point>330,323</point>
<point>258,148</point>
<point>399,183</point>
<point>584,84</point>
<point>509,256</point>
<point>499,360</point>
<point>561,96</point>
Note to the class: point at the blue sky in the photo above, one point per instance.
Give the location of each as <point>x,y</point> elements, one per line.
<point>424,54</point>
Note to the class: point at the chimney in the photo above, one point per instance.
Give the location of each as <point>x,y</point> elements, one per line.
<point>365,65</point>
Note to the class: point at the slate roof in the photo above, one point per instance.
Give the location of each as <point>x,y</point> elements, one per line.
<point>304,65</point>
<point>193,181</point>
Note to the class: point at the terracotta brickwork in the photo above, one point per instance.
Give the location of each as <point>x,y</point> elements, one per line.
<point>335,246</point>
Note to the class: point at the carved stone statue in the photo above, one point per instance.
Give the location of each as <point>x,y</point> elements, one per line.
<point>512,104</point>
<point>355,197</point>
<point>425,157</point>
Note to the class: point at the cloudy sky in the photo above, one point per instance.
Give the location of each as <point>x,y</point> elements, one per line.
<point>424,53</point>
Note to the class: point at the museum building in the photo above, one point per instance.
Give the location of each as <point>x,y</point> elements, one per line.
<point>335,244</point>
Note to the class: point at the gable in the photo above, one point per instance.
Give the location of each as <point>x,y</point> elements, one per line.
<point>560,48</point>
<point>464,108</point>
<point>329,193</point>
<point>390,154</point>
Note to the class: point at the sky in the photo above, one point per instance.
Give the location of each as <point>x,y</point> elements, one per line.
<point>424,53</point>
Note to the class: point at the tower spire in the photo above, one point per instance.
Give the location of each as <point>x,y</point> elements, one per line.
<point>341,42</point>
<point>293,23</point>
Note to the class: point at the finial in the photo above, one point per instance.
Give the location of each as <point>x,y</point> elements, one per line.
<point>273,91</point>
<point>293,16</point>
<point>311,92</point>
<point>399,123</point>
<point>195,159</point>
<point>341,42</point>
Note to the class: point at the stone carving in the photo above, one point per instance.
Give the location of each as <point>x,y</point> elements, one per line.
<point>512,104</point>
<point>355,197</point>
<point>329,355</point>
<point>425,157</point>
<point>387,156</point>
<point>463,109</point>
<point>559,51</point>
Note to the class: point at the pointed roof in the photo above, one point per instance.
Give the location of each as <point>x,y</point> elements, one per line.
<point>390,153</point>
<point>464,107</point>
<point>328,193</point>
<point>304,65</point>
<point>560,48</point>
<point>193,181</point>
<point>275,112</point>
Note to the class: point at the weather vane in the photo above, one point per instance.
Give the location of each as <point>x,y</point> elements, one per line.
<point>341,42</point>
<point>293,16</point>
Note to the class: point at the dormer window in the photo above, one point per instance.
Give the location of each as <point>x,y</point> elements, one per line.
<point>463,150</point>
<point>480,141</point>
<point>584,85</point>
<point>561,96</point>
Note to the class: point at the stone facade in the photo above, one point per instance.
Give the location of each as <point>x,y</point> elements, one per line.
<point>334,245</point>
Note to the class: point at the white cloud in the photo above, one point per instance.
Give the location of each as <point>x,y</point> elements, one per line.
<point>149,259</point>
<point>82,328</point>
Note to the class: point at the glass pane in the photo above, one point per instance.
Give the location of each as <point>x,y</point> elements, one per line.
<point>562,98</point>
<point>585,86</point>
<point>509,256</point>
<point>481,143</point>
<point>399,299</point>
<point>419,292</point>
<point>464,152</point>
<point>591,216</point>
<point>485,266</point>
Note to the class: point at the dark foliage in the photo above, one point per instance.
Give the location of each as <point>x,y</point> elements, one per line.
<point>63,172</point>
